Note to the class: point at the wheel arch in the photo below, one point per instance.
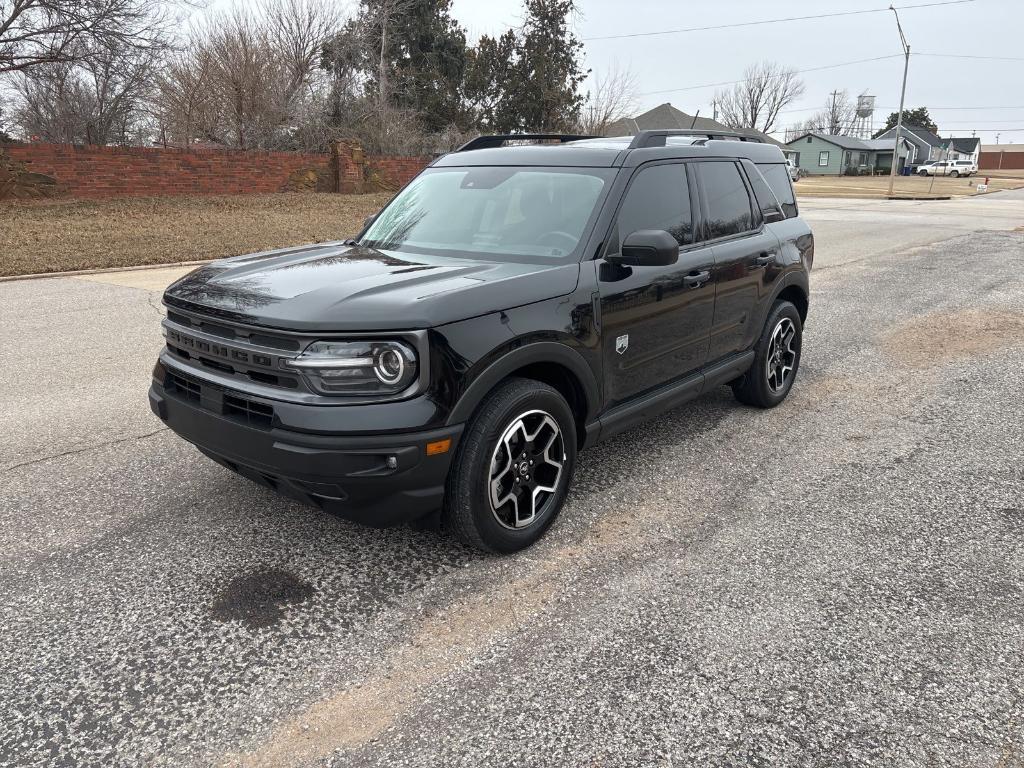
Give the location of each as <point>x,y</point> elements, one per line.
<point>795,290</point>
<point>550,362</point>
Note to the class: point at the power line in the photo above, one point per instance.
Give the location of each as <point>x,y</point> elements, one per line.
<point>968,56</point>
<point>784,74</point>
<point>773,21</point>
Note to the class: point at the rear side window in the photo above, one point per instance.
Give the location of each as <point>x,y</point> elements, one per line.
<point>777,176</point>
<point>658,198</point>
<point>728,204</point>
<point>764,196</point>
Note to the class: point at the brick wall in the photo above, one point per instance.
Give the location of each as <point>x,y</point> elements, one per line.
<point>1002,160</point>
<point>91,172</point>
<point>137,171</point>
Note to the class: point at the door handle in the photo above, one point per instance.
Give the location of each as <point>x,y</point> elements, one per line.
<point>696,279</point>
<point>764,259</point>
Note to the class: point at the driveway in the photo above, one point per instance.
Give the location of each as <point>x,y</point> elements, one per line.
<point>838,581</point>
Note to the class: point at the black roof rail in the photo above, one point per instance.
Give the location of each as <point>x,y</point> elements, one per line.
<point>496,140</point>
<point>656,138</point>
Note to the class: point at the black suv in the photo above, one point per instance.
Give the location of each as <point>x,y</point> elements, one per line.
<point>509,307</point>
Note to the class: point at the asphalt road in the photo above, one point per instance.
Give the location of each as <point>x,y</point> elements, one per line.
<point>839,581</point>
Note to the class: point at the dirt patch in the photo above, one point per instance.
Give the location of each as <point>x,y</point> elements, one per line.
<point>56,236</point>
<point>933,340</point>
<point>259,599</point>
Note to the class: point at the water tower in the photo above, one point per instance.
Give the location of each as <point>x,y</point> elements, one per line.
<point>864,118</point>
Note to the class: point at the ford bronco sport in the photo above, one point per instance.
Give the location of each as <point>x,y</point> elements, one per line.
<point>509,307</point>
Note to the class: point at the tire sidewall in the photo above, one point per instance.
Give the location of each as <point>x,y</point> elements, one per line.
<point>493,534</point>
<point>781,310</point>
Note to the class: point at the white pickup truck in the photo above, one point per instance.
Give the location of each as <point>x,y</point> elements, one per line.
<point>952,168</point>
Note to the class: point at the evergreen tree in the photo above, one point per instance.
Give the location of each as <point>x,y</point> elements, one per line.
<point>918,117</point>
<point>548,73</point>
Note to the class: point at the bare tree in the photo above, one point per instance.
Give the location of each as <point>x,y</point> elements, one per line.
<point>838,115</point>
<point>251,80</point>
<point>37,32</point>
<point>612,98</point>
<point>299,30</point>
<point>181,101</point>
<point>100,100</point>
<point>755,102</point>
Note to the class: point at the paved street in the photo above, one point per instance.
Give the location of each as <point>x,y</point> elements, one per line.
<point>839,581</point>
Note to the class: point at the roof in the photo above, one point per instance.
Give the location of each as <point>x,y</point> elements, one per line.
<point>967,145</point>
<point>846,142</point>
<point>667,116</point>
<point>1002,147</point>
<point>923,134</point>
<point>607,153</point>
<point>662,116</point>
<point>882,145</point>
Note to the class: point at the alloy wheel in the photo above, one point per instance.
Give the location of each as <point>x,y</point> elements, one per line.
<point>526,467</point>
<point>781,355</point>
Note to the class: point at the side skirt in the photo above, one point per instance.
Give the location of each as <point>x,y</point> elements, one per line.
<point>667,397</point>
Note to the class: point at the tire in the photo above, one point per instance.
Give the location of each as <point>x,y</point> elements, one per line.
<point>517,410</point>
<point>955,174</point>
<point>922,173</point>
<point>758,386</point>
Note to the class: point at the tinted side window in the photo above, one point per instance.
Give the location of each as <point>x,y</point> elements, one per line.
<point>658,198</point>
<point>728,203</point>
<point>764,196</point>
<point>777,177</point>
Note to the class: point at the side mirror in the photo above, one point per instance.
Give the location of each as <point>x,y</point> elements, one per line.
<point>773,215</point>
<point>369,220</point>
<point>647,248</point>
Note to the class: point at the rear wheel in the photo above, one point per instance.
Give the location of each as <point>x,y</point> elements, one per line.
<point>954,174</point>
<point>776,359</point>
<point>512,471</point>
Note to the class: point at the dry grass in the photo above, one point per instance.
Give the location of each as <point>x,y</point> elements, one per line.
<point>910,186</point>
<point>55,236</point>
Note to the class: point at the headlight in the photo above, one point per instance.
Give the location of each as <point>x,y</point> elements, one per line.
<point>357,367</point>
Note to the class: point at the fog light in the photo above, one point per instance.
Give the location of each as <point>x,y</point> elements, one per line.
<point>392,462</point>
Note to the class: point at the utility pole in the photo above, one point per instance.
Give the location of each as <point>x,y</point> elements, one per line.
<point>903,93</point>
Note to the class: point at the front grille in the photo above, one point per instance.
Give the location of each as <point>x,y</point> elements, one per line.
<point>252,413</point>
<point>240,352</point>
<point>232,405</point>
<point>188,388</point>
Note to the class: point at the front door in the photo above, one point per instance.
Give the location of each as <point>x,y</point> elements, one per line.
<point>655,321</point>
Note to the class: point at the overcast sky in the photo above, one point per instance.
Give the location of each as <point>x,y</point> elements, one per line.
<point>676,63</point>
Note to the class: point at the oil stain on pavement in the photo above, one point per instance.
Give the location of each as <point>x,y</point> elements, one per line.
<point>259,599</point>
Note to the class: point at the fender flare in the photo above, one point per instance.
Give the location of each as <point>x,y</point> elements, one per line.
<point>795,277</point>
<point>528,354</point>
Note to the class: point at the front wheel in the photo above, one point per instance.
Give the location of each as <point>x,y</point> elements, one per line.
<point>776,359</point>
<point>922,173</point>
<point>513,467</point>
<point>955,174</point>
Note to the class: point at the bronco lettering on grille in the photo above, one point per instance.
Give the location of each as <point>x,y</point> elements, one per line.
<point>187,343</point>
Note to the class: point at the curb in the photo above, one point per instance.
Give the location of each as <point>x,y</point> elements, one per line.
<point>902,197</point>
<point>102,270</point>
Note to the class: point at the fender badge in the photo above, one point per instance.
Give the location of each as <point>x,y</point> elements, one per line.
<point>622,343</point>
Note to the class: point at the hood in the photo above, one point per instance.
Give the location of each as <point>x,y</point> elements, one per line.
<point>338,287</point>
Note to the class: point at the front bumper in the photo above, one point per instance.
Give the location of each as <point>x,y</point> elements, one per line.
<point>377,480</point>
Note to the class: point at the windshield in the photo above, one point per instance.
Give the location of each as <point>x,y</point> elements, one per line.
<point>510,213</point>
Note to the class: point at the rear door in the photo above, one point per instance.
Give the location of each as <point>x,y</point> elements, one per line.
<point>655,321</point>
<point>746,254</point>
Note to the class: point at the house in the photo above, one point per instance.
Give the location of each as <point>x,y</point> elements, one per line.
<point>927,146</point>
<point>826,154</point>
<point>667,116</point>
<point>964,149</point>
<point>1001,157</point>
